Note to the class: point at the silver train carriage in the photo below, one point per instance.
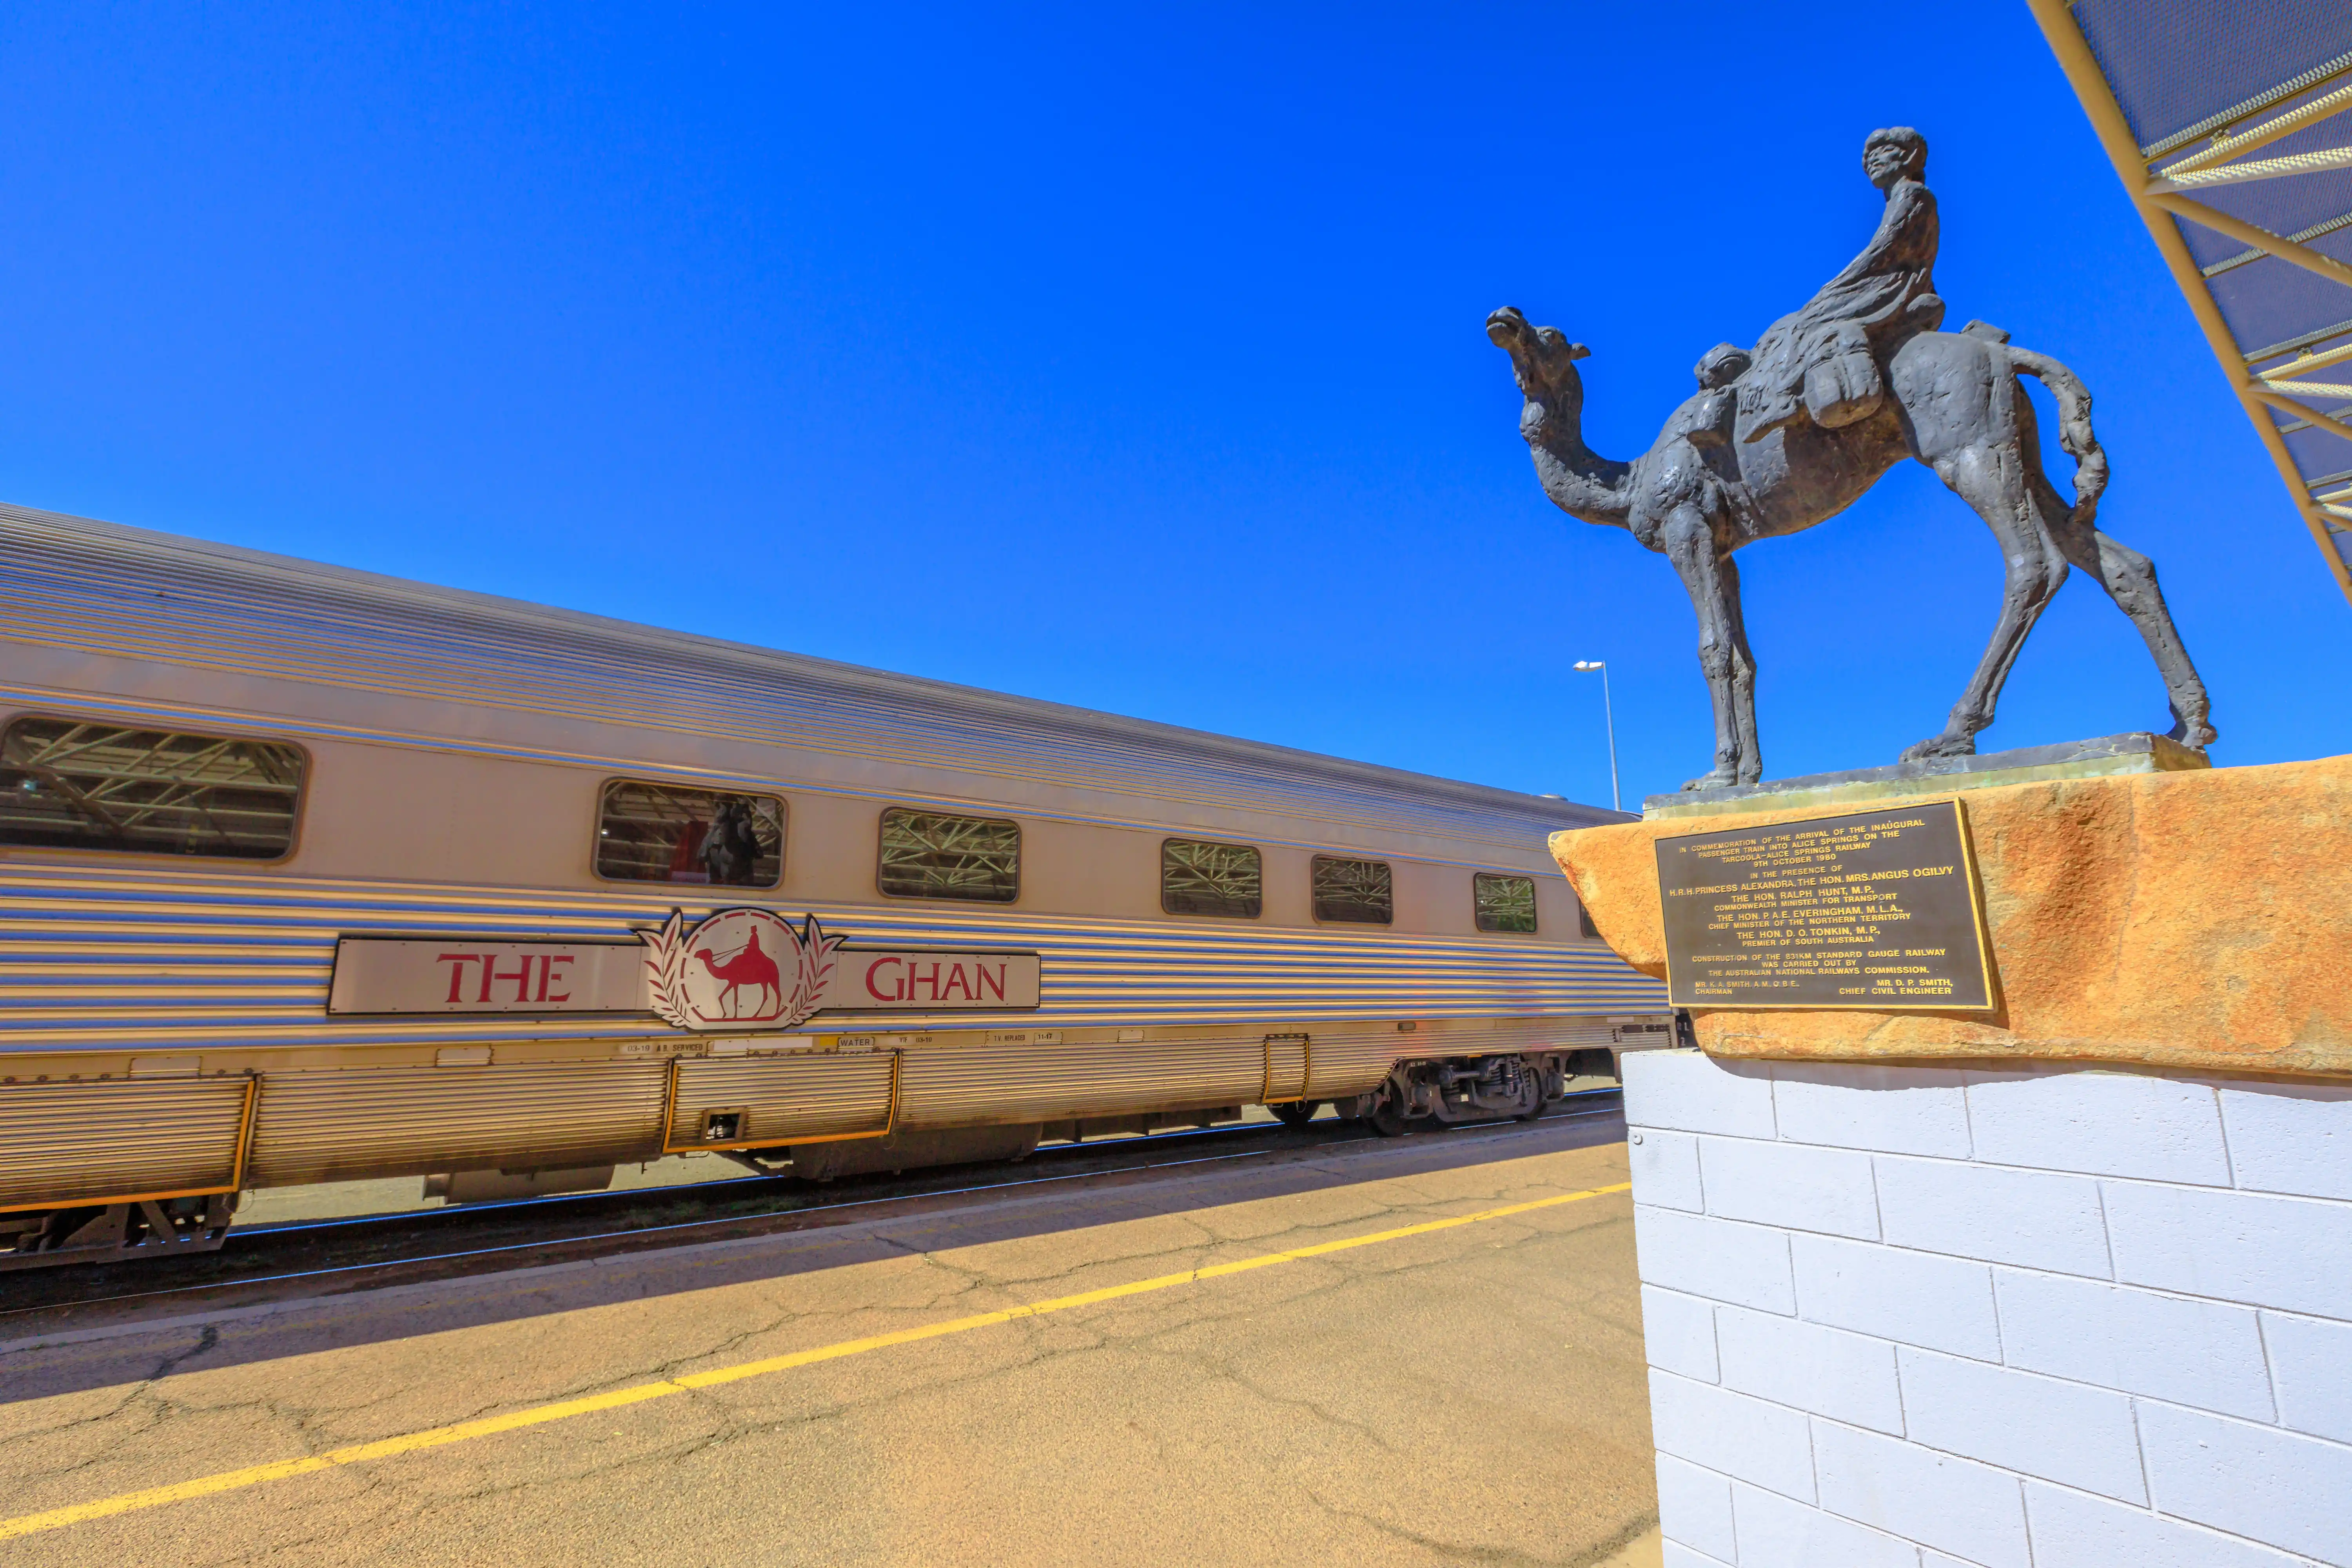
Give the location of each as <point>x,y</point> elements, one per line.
<point>308,875</point>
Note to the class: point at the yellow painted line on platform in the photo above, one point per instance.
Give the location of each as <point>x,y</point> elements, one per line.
<point>637,1393</point>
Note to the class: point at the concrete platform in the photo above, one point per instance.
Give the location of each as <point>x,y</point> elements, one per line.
<point>1408,1351</point>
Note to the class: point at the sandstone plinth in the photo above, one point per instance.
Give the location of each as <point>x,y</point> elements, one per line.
<point>2194,920</point>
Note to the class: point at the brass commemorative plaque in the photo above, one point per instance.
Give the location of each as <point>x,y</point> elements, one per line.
<point>1875,910</point>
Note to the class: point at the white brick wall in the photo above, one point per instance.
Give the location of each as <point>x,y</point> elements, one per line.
<point>1698,1502</point>
<point>1940,1318</point>
<point>1916,1296</point>
<point>1666,1166</point>
<point>1790,1184</point>
<point>1799,1364</point>
<point>1716,1258</point>
<point>2032,1217</point>
<point>2308,1358</point>
<point>2289,1141</point>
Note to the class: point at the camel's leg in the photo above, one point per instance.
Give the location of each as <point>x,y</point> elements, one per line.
<point>1993,478</point>
<point>1690,545</point>
<point>1743,673</point>
<point>2129,579</point>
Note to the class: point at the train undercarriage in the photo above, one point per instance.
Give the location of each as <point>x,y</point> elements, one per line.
<point>1449,1091</point>
<point>1420,1093</point>
<point>110,1233</point>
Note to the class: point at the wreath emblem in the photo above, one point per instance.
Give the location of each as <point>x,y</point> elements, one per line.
<point>738,968</point>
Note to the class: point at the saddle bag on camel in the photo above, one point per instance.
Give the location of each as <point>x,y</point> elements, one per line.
<point>1841,383</point>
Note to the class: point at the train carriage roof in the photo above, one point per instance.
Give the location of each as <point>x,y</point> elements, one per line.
<point>76,582</point>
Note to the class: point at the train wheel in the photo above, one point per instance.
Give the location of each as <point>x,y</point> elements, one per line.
<point>1387,1117</point>
<point>1535,1112</point>
<point>1295,1112</point>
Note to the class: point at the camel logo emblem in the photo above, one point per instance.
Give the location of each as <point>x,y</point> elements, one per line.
<point>738,968</point>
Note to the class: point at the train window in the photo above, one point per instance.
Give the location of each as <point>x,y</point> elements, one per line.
<point>661,833</point>
<point>1504,903</point>
<point>1360,892</point>
<point>1198,879</point>
<point>1584,922</point>
<point>68,785</point>
<point>931,855</point>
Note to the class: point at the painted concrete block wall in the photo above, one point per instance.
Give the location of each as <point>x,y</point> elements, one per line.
<point>2052,1317</point>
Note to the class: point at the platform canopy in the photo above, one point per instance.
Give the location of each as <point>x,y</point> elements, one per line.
<point>2228,121</point>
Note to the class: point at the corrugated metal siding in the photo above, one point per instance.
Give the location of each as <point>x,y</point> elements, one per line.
<point>98,958</point>
<point>1340,1064</point>
<point>339,1125</point>
<point>123,1138</point>
<point>783,1098</point>
<point>960,1086</point>
<point>73,582</point>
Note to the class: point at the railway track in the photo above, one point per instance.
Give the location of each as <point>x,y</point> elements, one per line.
<point>315,1256</point>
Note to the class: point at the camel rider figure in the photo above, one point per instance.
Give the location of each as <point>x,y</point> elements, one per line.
<point>1688,460</point>
<point>1824,362</point>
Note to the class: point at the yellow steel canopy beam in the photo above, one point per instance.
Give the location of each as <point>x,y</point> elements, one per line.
<point>2157,198</point>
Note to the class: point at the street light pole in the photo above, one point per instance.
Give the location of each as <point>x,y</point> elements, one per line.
<point>1609,716</point>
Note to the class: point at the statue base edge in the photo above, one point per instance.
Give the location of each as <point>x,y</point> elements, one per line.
<point>2179,919</point>
<point>2106,757</point>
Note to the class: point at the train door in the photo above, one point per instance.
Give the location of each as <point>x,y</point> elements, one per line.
<point>1289,1065</point>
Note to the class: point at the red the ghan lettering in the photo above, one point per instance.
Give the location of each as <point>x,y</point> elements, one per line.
<point>915,978</point>
<point>994,983</point>
<point>898,991</point>
<point>520,975</point>
<point>547,973</point>
<point>457,961</point>
<point>956,982</point>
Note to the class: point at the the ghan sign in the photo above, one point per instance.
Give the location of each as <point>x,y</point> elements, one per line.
<point>1875,910</point>
<point>733,969</point>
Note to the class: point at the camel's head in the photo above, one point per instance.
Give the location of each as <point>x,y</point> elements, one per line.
<point>1543,362</point>
<point>1542,359</point>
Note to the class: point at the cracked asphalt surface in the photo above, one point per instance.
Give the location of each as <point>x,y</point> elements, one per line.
<point>1473,1394</point>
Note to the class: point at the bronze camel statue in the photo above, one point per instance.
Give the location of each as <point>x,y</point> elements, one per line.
<point>1791,436</point>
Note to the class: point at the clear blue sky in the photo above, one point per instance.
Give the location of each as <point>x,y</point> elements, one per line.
<point>1127,358</point>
